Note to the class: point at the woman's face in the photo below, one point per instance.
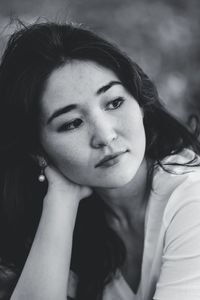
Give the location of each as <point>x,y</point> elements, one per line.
<point>87,114</point>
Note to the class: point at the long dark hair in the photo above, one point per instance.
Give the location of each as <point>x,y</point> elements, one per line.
<point>31,55</point>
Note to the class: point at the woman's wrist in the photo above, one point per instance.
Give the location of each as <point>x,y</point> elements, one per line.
<point>59,209</point>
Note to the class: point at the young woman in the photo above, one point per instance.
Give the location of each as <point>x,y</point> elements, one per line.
<point>100,193</point>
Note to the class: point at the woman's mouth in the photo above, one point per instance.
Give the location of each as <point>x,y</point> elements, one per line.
<point>110,160</point>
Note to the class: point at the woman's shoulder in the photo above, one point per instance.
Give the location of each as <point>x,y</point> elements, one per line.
<point>186,157</point>
<point>180,254</point>
<point>178,183</point>
<point>182,182</point>
<point>185,197</point>
<point>176,169</point>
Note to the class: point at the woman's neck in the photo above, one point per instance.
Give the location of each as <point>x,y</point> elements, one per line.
<point>126,205</point>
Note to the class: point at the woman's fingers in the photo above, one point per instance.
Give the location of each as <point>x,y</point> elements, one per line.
<point>59,183</point>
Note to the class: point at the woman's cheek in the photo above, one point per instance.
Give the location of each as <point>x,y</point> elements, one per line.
<point>70,158</point>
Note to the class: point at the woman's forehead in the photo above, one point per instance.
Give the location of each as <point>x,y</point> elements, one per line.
<point>75,73</point>
<point>77,81</point>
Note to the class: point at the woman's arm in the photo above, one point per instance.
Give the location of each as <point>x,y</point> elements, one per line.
<point>46,271</point>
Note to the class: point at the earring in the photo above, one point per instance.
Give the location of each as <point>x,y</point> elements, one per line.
<point>43,165</point>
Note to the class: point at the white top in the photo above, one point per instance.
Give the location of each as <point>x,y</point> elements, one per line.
<point>171,256</point>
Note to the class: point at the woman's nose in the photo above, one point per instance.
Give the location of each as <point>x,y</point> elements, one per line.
<point>102,135</point>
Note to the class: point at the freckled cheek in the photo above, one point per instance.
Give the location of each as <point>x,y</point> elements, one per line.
<point>132,127</point>
<point>68,157</point>
<point>73,157</point>
<point>74,165</point>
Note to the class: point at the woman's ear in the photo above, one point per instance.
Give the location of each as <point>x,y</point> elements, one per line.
<point>39,156</point>
<point>39,160</point>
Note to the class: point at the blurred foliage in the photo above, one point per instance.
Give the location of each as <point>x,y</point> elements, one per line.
<point>161,36</point>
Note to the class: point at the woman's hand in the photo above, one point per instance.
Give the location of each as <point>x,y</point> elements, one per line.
<point>60,186</point>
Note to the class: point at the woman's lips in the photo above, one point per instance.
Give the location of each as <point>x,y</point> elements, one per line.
<point>110,160</point>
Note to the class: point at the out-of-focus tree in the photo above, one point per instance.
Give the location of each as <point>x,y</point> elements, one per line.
<point>162,36</point>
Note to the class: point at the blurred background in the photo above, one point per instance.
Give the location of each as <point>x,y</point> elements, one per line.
<point>162,36</point>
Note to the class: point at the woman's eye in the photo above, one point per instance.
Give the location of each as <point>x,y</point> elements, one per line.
<point>70,125</point>
<point>115,103</point>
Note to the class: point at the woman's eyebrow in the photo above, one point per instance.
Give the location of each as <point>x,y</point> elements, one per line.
<point>61,111</point>
<point>106,87</point>
<point>70,107</point>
